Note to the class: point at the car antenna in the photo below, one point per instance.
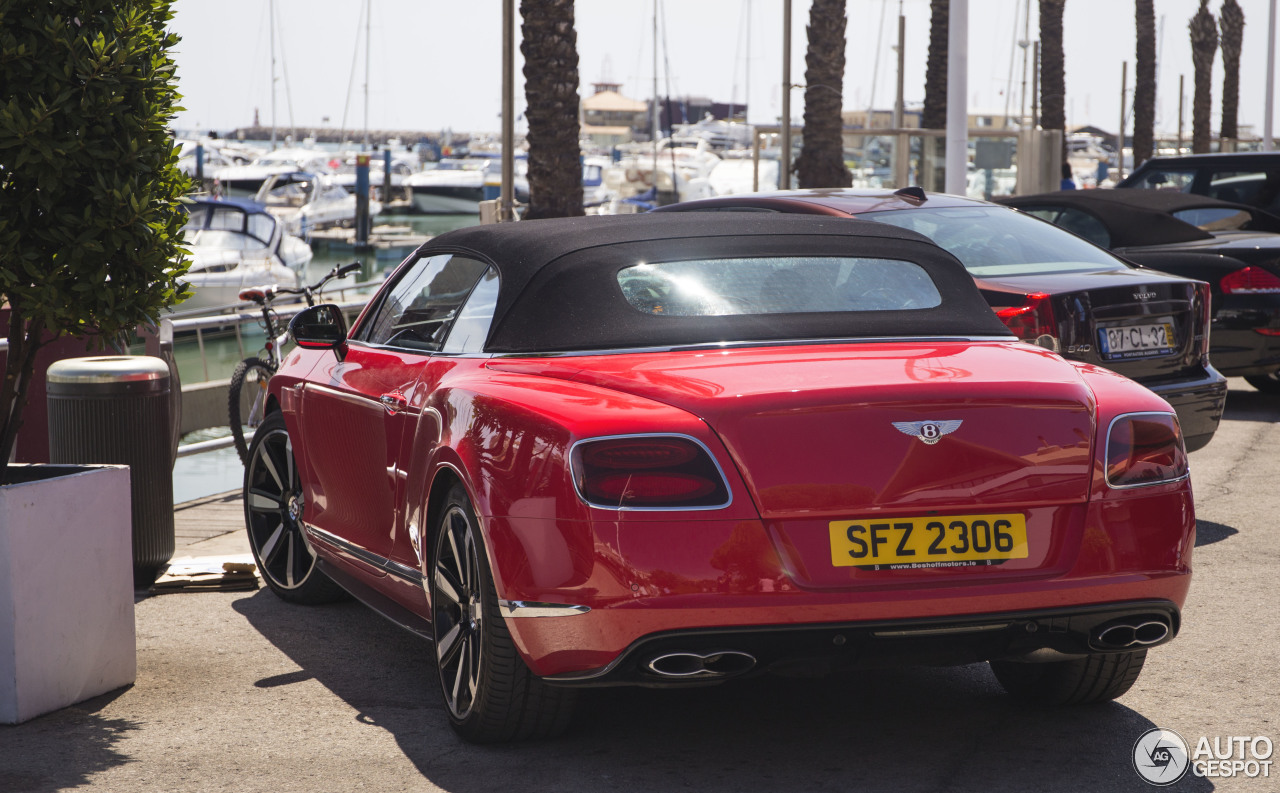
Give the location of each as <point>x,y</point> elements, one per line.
<point>913,194</point>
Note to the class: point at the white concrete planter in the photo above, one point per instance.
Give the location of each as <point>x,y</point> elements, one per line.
<point>66,588</point>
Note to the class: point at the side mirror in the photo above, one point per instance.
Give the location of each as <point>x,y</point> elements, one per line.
<point>321,328</point>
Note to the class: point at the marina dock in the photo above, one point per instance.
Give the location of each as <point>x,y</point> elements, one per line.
<point>386,241</point>
<point>206,518</point>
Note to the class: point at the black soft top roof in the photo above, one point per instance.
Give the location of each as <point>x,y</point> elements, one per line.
<point>1142,217</point>
<point>559,289</point>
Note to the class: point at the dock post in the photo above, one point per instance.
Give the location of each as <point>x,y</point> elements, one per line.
<point>362,203</point>
<point>386,177</point>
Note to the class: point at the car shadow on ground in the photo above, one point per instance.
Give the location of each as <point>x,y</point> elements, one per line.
<point>896,729</point>
<point>1251,405</point>
<point>30,762</point>
<point>1208,532</point>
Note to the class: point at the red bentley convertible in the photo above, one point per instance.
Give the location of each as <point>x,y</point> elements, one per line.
<point>673,450</point>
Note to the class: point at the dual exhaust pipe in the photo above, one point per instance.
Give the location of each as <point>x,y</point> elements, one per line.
<point>1131,634</point>
<point>701,666</point>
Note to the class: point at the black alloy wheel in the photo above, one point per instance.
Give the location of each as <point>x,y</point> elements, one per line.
<point>273,516</point>
<point>458,611</point>
<point>489,692</point>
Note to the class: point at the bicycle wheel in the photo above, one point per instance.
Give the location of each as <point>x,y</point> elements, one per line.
<point>247,401</point>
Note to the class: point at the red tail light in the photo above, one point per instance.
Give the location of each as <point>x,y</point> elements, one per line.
<point>1250,280</point>
<point>1032,321</point>
<point>648,472</point>
<point>1145,449</point>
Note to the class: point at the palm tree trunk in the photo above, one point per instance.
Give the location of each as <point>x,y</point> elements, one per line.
<point>933,166</point>
<point>1204,45</point>
<point>1144,86</point>
<point>1231,23</point>
<point>935,75</point>
<point>821,160</point>
<point>1053,81</point>
<point>550,48</point>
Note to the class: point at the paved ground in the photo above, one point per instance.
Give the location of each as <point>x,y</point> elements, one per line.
<point>241,692</point>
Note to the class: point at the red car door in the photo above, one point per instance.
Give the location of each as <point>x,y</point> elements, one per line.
<point>357,413</point>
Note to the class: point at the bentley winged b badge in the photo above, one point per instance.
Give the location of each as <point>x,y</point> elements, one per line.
<point>928,431</point>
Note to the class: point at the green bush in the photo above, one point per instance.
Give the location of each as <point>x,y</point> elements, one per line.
<point>90,212</point>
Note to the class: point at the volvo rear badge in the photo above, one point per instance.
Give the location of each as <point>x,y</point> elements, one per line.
<point>928,431</point>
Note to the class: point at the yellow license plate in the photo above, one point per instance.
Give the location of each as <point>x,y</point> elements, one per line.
<point>940,541</point>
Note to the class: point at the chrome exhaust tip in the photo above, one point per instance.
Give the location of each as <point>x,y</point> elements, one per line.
<point>1132,634</point>
<point>694,666</point>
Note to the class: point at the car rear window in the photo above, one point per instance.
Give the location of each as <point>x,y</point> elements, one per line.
<point>1166,179</point>
<point>776,285</point>
<point>994,241</point>
<point>1215,218</point>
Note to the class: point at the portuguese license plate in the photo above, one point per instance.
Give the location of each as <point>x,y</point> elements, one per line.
<point>1137,341</point>
<point>937,541</point>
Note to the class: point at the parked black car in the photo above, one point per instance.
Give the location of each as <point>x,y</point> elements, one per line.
<point>1049,287</point>
<point>1235,248</point>
<point>1251,178</point>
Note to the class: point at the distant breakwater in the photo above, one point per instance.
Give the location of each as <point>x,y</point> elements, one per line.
<point>331,135</point>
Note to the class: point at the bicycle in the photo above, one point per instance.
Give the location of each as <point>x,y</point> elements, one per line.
<point>247,394</point>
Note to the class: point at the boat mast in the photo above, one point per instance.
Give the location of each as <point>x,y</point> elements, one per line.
<point>655,99</point>
<point>271,9</point>
<point>368,14</point>
<point>747,98</point>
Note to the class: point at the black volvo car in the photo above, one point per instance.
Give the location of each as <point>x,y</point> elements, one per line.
<point>1235,248</point>
<point>1050,287</point>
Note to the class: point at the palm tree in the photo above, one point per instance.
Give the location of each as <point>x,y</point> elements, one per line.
<point>550,48</point>
<point>935,75</point>
<point>821,160</point>
<point>1231,23</point>
<point>1053,81</point>
<point>1144,86</point>
<point>935,92</point>
<point>1204,45</point>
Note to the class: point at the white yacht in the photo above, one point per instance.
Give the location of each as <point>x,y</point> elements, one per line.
<point>236,244</point>
<point>246,180</point>
<point>456,186</point>
<point>306,201</point>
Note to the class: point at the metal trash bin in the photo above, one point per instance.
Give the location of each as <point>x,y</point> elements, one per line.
<point>116,410</point>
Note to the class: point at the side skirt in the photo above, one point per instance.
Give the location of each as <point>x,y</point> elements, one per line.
<point>366,594</point>
<point>377,601</point>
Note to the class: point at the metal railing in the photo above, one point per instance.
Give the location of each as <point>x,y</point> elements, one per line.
<point>200,324</point>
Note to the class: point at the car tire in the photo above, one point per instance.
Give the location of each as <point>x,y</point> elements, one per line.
<point>273,519</point>
<point>247,402</point>
<point>1094,678</point>
<point>1266,383</point>
<point>489,693</point>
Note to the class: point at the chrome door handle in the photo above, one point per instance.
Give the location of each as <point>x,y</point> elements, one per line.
<point>394,402</point>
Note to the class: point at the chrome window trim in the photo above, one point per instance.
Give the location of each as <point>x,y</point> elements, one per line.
<point>573,475</point>
<point>1106,451</point>
<point>734,345</point>
<point>534,608</point>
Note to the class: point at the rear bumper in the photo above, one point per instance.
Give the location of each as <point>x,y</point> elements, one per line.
<point>1240,352</point>
<point>709,656</point>
<point>1199,404</point>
